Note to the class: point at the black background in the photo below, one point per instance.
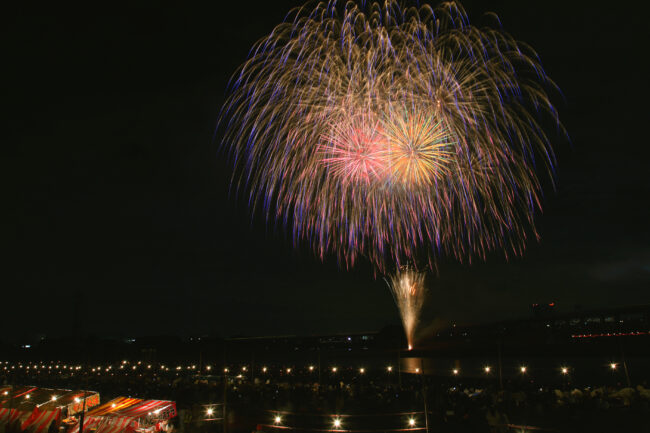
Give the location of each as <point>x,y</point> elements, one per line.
<point>119,219</point>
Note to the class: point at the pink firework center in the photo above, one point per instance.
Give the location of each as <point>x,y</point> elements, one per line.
<point>355,151</point>
<point>409,149</point>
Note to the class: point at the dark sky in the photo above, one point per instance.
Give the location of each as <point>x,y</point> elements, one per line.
<point>116,201</point>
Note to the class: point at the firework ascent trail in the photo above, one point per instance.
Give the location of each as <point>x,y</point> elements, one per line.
<point>409,292</point>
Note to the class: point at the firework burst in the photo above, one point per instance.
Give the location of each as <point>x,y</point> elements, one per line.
<point>400,134</point>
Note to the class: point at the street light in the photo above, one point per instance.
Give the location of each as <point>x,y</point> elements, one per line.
<point>522,369</point>
<point>565,370</point>
<point>337,422</point>
<point>613,366</point>
<point>411,422</point>
<point>487,369</point>
<point>455,371</point>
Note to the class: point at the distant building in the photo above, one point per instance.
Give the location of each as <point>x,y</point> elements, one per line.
<point>543,310</point>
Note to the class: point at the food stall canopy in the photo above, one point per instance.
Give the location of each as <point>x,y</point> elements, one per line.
<point>149,408</point>
<point>94,417</point>
<point>8,415</point>
<point>37,396</point>
<point>11,406</point>
<point>14,394</point>
<point>114,405</point>
<point>35,408</point>
<point>117,425</point>
<point>125,414</point>
<point>40,420</point>
<point>72,402</point>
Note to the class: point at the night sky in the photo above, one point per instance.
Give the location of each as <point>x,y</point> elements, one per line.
<point>116,202</point>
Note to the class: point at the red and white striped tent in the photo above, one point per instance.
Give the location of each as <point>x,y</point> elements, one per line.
<point>90,423</point>
<point>117,425</point>
<point>11,396</point>
<point>32,419</point>
<point>8,415</point>
<point>36,408</point>
<point>40,420</point>
<point>72,402</point>
<point>127,414</point>
<point>12,406</point>
<point>95,416</point>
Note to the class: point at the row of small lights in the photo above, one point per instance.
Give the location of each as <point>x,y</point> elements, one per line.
<point>523,369</point>
<point>336,421</point>
<point>311,368</point>
<point>54,397</point>
<point>456,371</point>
